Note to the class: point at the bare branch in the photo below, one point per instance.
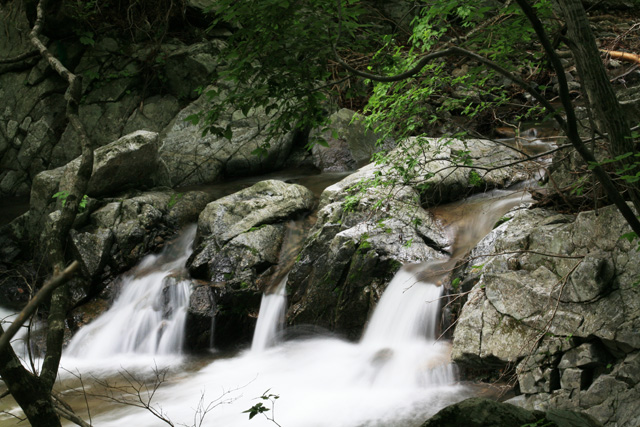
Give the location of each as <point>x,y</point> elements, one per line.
<point>58,280</point>
<point>22,57</point>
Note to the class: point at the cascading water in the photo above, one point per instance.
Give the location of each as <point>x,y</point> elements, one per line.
<point>272,307</point>
<point>407,311</point>
<point>148,317</point>
<point>271,318</point>
<point>398,375</point>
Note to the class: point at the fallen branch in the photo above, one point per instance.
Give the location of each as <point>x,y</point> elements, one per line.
<point>623,56</point>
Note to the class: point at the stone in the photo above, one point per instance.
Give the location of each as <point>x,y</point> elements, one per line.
<point>434,164</point>
<point>593,316</point>
<point>585,355</point>
<point>590,279</point>
<point>266,202</point>
<point>479,412</point>
<point>130,161</point>
<point>92,249</point>
<point>239,236</point>
<point>153,115</point>
<point>573,379</point>
<point>352,146</point>
<point>106,216</point>
<point>12,129</point>
<point>192,158</point>
<point>201,315</point>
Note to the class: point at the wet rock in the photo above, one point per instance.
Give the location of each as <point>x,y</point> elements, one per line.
<point>433,163</point>
<point>585,355</point>
<point>200,316</point>
<point>239,236</point>
<point>351,254</point>
<point>478,412</point>
<point>238,244</point>
<point>592,278</point>
<point>92,249</point>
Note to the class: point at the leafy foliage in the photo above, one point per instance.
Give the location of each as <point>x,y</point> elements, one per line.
<point>277,62</point>
<point>62,195</point>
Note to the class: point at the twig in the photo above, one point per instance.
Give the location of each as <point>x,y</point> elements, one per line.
<point>55,282</point>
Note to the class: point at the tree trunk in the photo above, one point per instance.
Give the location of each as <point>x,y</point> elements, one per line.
<point>33,396</point>
<point>602,99</point>
<point>33,393</point>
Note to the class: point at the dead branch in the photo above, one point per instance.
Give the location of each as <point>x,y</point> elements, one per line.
<point>623,56</point>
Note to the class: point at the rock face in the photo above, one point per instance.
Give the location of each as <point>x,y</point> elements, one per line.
<point>237,245</point>
<point>478,412</point>
<point>363,234</point>
<point>350,145</point>
<point>565,309</point>
<point>119,232</point>
<point>192,158</point>
<point>130,162</point>
<point>126,88</point>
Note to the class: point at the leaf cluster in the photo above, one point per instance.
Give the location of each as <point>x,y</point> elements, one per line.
<point>277,61</point>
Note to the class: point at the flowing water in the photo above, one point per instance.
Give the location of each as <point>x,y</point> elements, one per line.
<point>399,374</point>
<point>271,318</point>
<point>148,317</point>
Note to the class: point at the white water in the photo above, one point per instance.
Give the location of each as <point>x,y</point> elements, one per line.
<point>18,342</point>
<point>408,311</point>
<point>148,316</point>
<point>392,378</point>
<point>270,318</point>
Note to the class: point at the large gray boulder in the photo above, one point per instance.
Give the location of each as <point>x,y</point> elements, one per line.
<point>430,166</point>
<point>352,253</point>
<point>192,158</point>
<point>367,227</point>
<point>479,412</point>
<point>129,162</point>
<point>555,294</point>
<point>239,236</point>
<point>238,248</point>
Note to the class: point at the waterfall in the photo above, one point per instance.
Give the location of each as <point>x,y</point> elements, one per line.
<point>407,311</point>
<point>270,318</point>
<point>401,335</point>
<point>148,316</point>
<point>399,373</point>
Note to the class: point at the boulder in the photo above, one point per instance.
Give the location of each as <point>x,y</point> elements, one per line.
<point>194,158</point>
<point>131,161</point>
<point>479,412</point>
<point>239,236</point>
<point>556,295</point>
<point>351,254</point>
<point>429,165</point>
<point>238,246</point>
<point>367,227</point>
<point>348,143</point>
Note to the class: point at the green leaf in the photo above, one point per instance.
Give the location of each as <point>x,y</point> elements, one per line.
<point>631,236</point>
<point>193,119</point>
<point>322,141</point>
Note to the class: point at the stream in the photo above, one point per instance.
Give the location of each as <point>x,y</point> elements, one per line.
<point>398,374</point>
